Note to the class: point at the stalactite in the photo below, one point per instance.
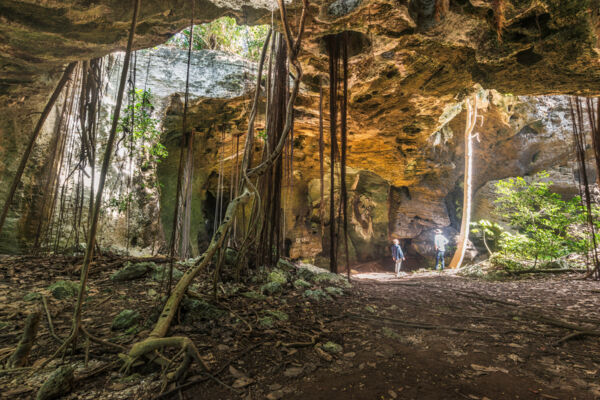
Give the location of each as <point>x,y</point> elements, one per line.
<point>499,19</point>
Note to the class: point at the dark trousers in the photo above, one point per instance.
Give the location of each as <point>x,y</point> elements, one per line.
<point>439,257</point>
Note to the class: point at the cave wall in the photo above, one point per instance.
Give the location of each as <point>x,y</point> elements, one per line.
<point>410,73</point>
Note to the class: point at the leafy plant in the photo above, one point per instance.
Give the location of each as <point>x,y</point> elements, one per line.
<point>547,226</point>
<point>226,35</point>
<point>137,121</point>
<point>489,232</point>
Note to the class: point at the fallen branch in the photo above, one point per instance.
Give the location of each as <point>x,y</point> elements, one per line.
<point>547,271</point>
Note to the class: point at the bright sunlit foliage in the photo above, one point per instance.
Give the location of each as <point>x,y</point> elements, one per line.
<point>226,35</point>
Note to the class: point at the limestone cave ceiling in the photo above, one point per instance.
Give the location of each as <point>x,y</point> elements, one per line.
<point>409,70</point>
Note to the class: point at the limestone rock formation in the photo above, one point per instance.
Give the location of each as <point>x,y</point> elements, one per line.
<point>410,71</point>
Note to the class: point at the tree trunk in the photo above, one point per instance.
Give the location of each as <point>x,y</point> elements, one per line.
<point>466,217</point>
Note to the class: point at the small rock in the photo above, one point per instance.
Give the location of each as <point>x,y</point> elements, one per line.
<point>285,265</point>
<point>334,291</point>
<point>162,272</point>
<point>132,271</point>
<point>392,394</point>
<point>332,347</point>
<point>64,289</point>
<point>271,288</point>
<point>301,284</point>
<point>125,319</point>
<point>350,354</point>
<point>222,347</point>
<point>200,310</point>
<point>316,294</point>
<point>277,276</point>
<point>275,386</point>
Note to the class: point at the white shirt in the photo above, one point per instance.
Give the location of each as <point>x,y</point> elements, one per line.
<point>440,242</point>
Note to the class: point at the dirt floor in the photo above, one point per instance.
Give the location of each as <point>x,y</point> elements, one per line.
<point>423,336</point>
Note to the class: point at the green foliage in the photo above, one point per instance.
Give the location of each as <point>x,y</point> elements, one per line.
<point>226,35</point>
<point>142,129</point>
<point>547,226</point>
<point>489,232</point>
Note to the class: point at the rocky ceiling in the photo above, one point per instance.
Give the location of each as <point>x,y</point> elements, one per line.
<point>410,70</point>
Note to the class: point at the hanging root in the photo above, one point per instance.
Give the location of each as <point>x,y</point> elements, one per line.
<point>441,8</point>
<point>499,20</point>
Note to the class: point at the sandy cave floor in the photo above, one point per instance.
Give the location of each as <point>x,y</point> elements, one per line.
<point>423,336</point>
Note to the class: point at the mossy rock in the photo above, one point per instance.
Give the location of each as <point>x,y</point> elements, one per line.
<point>32,296</point>
<point>163,271</point>
<point>316,295</point>
<point>132,271</point>
<point>58,384</point>
<point>271,288</point>
<point>328,277</point>
<point>332,347</point>
<point>388,332</point>
<point>125,319</point>
<point>280,315</point>
<point>64,289</point>
<point>285,265</point>
<point>229,258</point>
<point>555,264</point>
<point>301,283</point>
<point>306,274</point>
<point>334,291</point>
<point>508,264</point>
<point>254,295</point>
<point>200,310</point>
<point>277,276</point>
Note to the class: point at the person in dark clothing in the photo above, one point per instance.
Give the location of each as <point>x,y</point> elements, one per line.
<point>397,256</point>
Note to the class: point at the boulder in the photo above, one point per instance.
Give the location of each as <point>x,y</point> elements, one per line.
<point>63,289</point>
<point>132,271</point>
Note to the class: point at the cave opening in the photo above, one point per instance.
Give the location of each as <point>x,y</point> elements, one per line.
<point>221,211</point>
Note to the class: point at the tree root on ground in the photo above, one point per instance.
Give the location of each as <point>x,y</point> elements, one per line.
<point>49,318</point>
<point>21,353</point>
